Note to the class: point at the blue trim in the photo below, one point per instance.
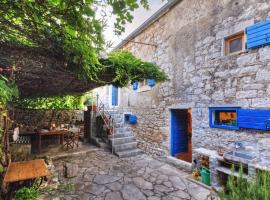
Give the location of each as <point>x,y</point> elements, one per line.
<point>258,35</point>
<point>151,82</point>
<point>135,85</point>
<point>114,95</point>
<point>133,119</point>
<point>211,109</point>
<point>171,132</point>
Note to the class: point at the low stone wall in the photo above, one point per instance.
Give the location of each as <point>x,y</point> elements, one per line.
<point>37,118</point>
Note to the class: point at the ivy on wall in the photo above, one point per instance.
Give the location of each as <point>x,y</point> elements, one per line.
<point>8,90</point>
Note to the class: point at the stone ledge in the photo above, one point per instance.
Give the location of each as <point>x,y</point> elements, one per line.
<point>178,163</point>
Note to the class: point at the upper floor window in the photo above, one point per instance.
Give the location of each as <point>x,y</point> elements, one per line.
<point>143,86</point>
<point>235,43</point>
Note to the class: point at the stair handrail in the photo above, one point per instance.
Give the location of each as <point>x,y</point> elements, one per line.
<point>104,113</point>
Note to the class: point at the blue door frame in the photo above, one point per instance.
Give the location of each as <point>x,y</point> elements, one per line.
<point>114,95</point>
<point>179,132</point>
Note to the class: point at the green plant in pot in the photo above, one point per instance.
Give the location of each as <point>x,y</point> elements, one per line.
<point>90,104</point>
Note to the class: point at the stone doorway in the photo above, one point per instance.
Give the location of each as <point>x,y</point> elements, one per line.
<point>181,134</point>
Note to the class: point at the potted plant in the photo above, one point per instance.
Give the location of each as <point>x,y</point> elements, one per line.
<point>90,104</point>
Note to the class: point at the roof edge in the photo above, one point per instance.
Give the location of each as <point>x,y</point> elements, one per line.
<point>158,14</point>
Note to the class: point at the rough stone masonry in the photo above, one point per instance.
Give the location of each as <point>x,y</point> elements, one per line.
<point>190,49</point>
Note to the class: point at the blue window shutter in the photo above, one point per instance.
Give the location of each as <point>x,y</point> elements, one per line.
<point>254,119</point>
<point>114,95</point>
<point>135,85</point>
<point>258,34</point>
<point>151,82</point>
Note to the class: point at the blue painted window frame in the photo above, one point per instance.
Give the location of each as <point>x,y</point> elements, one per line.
<point>213,109</point>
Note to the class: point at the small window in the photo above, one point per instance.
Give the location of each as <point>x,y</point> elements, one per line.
<point>223,117</point>
<point>235,44</point>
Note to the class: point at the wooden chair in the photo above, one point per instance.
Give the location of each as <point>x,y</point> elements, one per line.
<point>68,140</point>
<point>72,138</point>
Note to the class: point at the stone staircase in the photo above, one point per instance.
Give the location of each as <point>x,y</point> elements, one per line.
<point>123,143</point>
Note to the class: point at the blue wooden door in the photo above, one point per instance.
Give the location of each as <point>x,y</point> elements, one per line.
<point>114,95</point>
<point>179,132</point>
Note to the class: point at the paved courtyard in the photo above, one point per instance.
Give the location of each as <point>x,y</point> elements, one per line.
<point>102,175</point>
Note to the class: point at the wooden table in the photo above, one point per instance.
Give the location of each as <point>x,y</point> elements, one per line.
<point>59,133</point>
<point>26,170</point>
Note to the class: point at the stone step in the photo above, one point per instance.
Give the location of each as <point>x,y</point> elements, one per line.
<point>128,153</point>
<point>125,146</point>
<point>122,140</point>
<point>122,135</point>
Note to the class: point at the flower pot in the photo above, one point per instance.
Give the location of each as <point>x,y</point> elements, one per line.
<point>92,108</point>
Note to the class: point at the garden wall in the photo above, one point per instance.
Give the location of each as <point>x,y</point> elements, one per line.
<point>39,118</point>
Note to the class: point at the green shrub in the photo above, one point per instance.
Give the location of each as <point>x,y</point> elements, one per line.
<point>239,188</point>
<point>26,194</point>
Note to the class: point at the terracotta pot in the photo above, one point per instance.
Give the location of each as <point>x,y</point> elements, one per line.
<point>92,108</point>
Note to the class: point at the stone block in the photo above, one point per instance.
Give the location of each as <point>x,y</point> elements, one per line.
<point>261,102</point>
<point>263,75</point>
<point>246,59</point>
<point>246,94</point>
<point>264,54</point>
<point>71,170</point>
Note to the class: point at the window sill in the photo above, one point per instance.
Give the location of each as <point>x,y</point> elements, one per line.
<point>225,127</point>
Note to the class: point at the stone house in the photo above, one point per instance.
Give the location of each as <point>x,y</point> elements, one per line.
<point>218,77</point>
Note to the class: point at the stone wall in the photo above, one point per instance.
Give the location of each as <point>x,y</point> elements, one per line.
<point>190,46</point>
<point>33,118</point>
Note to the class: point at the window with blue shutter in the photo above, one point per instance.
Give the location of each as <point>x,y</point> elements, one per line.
<point>151,82</point>
<point>135,85</point>
<point>114,95</point>
<point>258,34</point>
<point>224,117</point>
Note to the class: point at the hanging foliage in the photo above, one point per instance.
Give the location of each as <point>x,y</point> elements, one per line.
<point>127,68</point>
<point>55,103</point>
<point>71,30</point>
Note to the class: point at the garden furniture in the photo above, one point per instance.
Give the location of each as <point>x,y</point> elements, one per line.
<point>59,133</point>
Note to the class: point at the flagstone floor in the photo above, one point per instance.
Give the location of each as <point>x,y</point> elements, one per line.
<point>102,175</point>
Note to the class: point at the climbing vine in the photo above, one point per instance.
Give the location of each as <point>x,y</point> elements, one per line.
<point>128,68</point>
<point>68,29</point>
<point>8,90</point>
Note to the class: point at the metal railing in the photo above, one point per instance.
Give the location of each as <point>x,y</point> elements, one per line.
<point>106,116</point>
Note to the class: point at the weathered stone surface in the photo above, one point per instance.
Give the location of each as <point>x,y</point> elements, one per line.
<point>177,182</point>
<point>198,192</point>
<point>104,179</point>
<point>143,184</point>
<point>113,196</point>
<point>116,186</point>
<point>131,192</point>
<point>71,170</point>
<point>108,186</point>
<point>95,189</point>
<point>180,194</point>
<point>264,54</point>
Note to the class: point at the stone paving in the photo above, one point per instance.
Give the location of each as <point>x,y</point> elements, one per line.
<point>101,175</point>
